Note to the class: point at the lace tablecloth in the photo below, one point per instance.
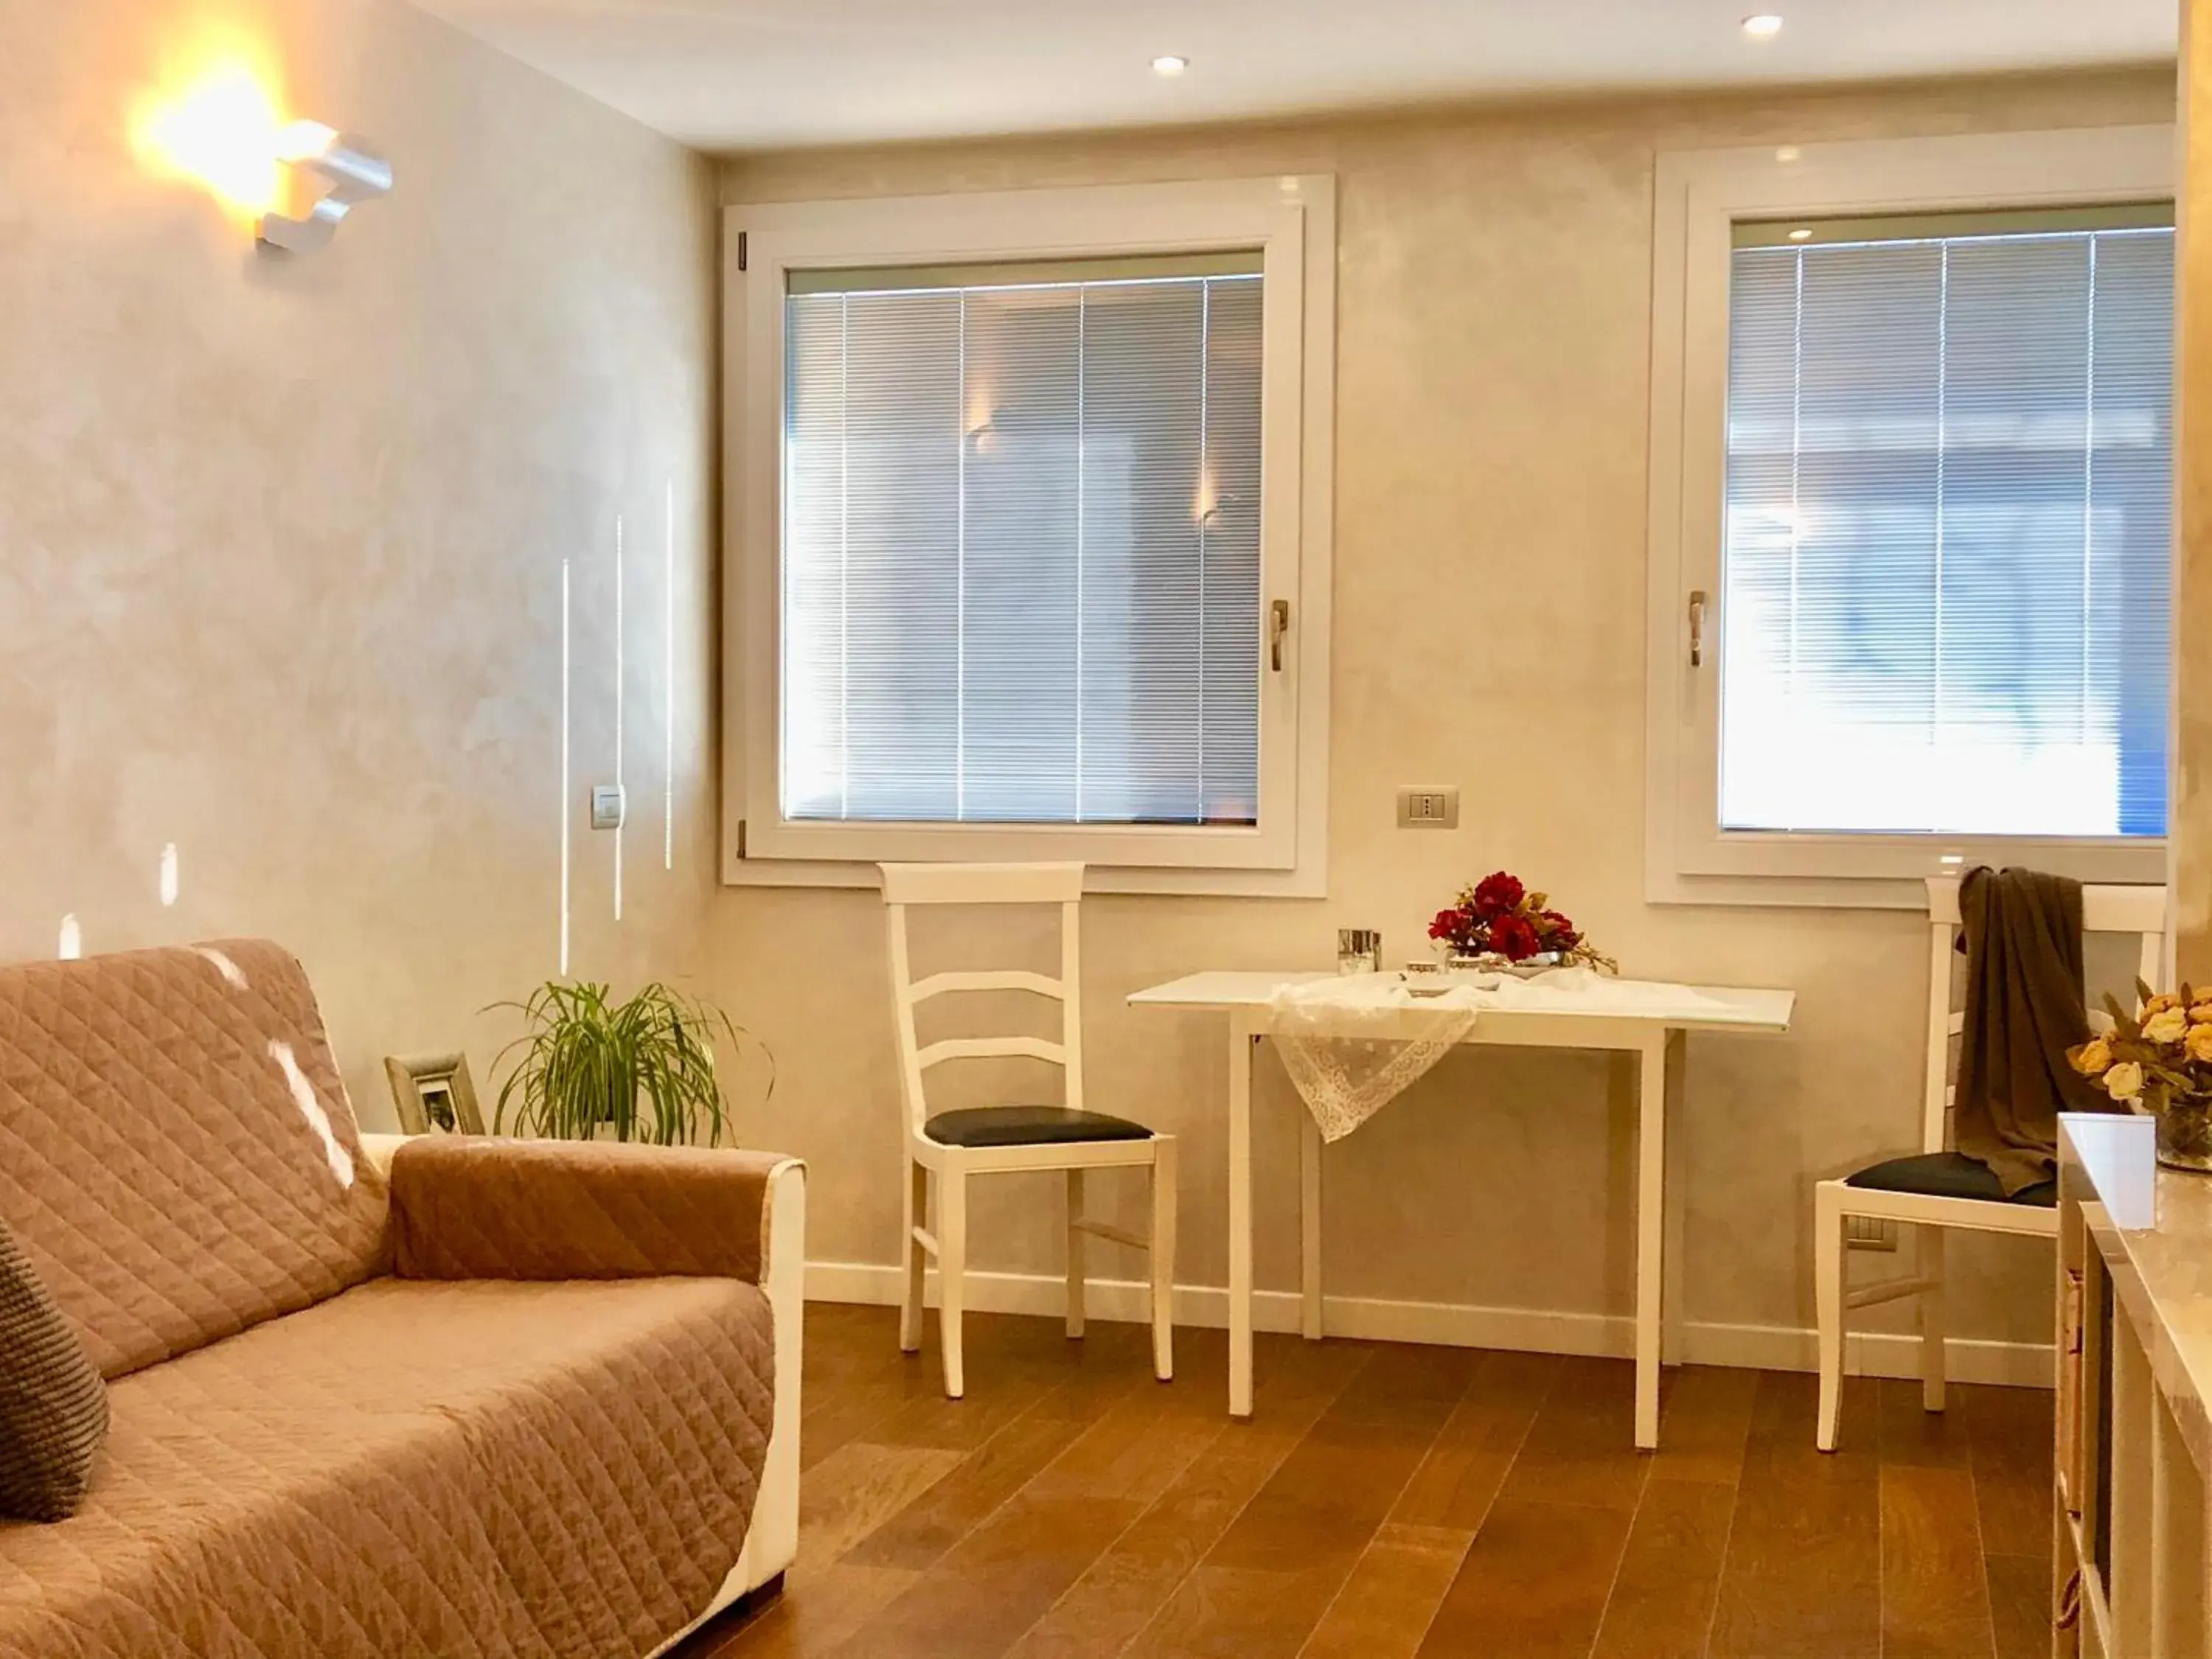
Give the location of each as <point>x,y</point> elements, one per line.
<point>1354,1043</point>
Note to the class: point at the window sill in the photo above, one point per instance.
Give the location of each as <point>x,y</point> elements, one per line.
<point>1830,877</point>
<point>1178,883</point>
<point>1788,893</point>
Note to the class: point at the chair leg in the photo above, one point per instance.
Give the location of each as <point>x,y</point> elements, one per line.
<point>1932,1312</point>
<point>1163,1255</point>
<point>952,1269</point>
<point>917,1215</point>
<point>1828,1306</point>
<point>1075,1262</point>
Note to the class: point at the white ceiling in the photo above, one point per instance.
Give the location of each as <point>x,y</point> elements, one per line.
<point>727,74</point>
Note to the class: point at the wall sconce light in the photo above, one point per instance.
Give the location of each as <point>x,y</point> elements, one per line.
<point>356,174</point>
<point>215,120</point>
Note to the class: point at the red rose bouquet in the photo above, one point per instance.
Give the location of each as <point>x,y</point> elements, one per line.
<point>1497,916</point>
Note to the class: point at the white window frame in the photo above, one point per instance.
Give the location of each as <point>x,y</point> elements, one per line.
<point>1293,221</point>
<point>1701,195</point>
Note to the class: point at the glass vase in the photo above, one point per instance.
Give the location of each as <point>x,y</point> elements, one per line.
<point>2184,1135</point>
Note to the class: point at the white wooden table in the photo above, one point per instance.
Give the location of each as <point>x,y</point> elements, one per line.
<point>1655,1041</point>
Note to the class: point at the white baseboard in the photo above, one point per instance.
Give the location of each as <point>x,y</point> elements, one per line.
<point>1758,1347</point>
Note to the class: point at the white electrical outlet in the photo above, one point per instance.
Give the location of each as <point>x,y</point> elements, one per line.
<point>1428,807</point>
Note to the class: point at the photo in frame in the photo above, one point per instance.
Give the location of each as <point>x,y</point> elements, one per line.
<point>433,1094</point>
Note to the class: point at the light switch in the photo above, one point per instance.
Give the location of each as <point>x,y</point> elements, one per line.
<point>608,806</point>
<point>1428,807</point>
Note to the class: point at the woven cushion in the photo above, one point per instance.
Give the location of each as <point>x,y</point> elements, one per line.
<point>53,1405</point>
<point>1027,1126</point>
<point>177,1156</point>
<point>1948,1174</point>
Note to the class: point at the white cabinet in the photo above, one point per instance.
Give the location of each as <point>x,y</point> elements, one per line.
<point>2135,1371</point>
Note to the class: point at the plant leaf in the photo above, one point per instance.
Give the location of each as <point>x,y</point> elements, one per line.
<point>643,1069</point>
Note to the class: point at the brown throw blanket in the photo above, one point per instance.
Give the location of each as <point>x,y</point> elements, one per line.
<point>2024,1009</point>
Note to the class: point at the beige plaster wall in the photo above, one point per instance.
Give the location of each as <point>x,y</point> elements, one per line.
<point>1494,333</point>
<point>280,542</point>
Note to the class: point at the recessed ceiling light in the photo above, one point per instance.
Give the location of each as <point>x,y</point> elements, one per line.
<point>1169,65</point>
<point>1786,152</point>
<point>1762,25</point>
<point>1801,235</point>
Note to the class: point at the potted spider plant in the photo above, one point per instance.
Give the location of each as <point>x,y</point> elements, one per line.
<point>589,1067</point>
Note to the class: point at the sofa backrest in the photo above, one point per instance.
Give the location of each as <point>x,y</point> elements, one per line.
<point>177,1157</point>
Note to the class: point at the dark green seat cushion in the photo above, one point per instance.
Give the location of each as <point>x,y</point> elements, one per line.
<point>1948,1174</point>
<point>1027,1126</point>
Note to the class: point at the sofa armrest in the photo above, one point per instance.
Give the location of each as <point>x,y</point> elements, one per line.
<point>378,1150</point>
<point>495,1208</point>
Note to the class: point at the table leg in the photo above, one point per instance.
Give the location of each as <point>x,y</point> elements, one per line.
<point>1671,1300</point>
<point>1240,1218</point>
<point>1650,1231</point>
<point>1310,1222</point>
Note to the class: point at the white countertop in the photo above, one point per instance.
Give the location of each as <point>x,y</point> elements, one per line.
<point>2153,1227</point>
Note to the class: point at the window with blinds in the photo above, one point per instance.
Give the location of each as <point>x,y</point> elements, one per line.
<point>1021,543</point>
<point>1948,525</point>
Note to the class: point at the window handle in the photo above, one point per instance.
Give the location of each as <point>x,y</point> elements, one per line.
<point>1698,628</point>
<point>1278,624</point>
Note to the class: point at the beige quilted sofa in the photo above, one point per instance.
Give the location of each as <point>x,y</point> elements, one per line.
<point>376,1398</point>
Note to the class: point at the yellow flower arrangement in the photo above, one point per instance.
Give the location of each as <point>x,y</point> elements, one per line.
<point>2166,1025</point>
<point>2155,1060</point>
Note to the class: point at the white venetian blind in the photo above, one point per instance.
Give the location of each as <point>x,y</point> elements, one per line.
<point>1021,553</point>
<point>1944,595</point>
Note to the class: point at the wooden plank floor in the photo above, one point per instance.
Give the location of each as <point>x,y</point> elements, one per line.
<point>1387,1502</point>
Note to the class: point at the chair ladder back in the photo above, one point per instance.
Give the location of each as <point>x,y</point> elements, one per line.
<point>1071,1001</point>
<point>1943,1024</point>
<point>2150,961</point>
<point>2106,909</point>
<point>903,1005</point>
<point>2138,910</point>
<point>982,885</point>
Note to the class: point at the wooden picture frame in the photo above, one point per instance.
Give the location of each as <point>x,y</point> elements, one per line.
<point>433,1094</point>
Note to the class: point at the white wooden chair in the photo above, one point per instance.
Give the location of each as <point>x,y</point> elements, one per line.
<point>997,1140</point>
<point>1940,1187</point>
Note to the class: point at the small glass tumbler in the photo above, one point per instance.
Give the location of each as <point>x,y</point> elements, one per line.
<point>1358,950</point>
